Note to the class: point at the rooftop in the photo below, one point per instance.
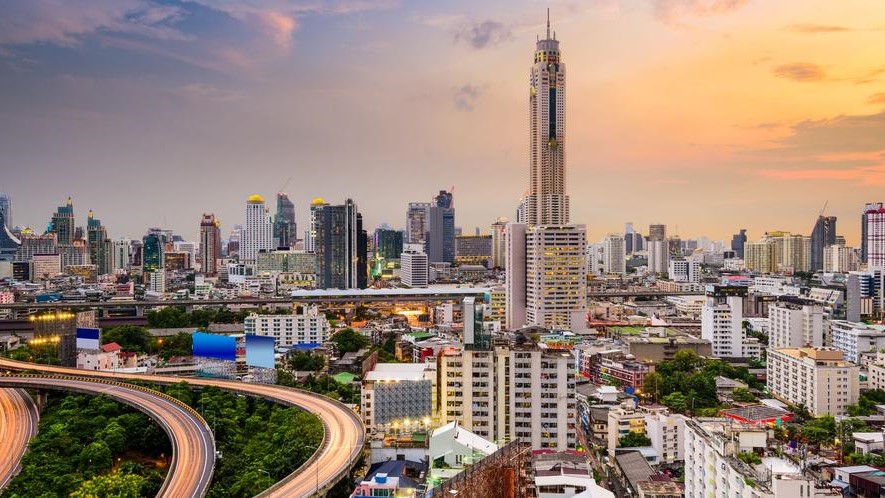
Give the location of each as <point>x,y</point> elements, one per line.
<point>396,372</point>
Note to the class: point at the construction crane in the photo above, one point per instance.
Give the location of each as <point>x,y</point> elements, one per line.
<point>283,188</point>
<point>827,203</point>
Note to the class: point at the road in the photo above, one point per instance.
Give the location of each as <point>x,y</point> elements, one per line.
<point>342,442</point>
<point>18,424</point>
<point>193,446</point>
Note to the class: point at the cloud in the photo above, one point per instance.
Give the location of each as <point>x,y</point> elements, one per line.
<point>466,97</point>
<point>203,91</point>
<point>800,71</point>
<point>877,98</point>
<point>483,34</point>
<point>816,28</point>
<point>674,11</point>
<point>65,23</point>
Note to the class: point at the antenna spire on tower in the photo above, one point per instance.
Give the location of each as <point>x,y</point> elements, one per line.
<point>548,23</point>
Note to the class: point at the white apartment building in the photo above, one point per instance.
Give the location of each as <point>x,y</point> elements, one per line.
<point>876,371</point>
<point>658,256</point>
<point>722,325</point>
<point>414,269</point>
<point>556,276</point>
<point>157,281</point>
<point>684,270</point>
<point>875,238</point>
<point>308,327</point>
<point>817,378</point>
<point>511,391</point>
<point>667,434</point>
<point>614,254</point>
<point>856,338</point>
<point>687,305</point>
<point>515,276</point>
<point>622,421</point>
<point>257,234</point>
<point>840,259</point>
<point>795,323</point>
<point>711,469</point>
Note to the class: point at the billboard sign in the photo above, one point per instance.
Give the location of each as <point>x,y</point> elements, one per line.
<point>88,338</point>
<point>216,346</point>
<point>260,351</point>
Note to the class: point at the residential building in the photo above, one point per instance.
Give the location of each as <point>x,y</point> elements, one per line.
<point>100,246</point>
<point>622,421</point>
<point>257,234</point>
<point>722,323</point>
<point>711,464</point>
<point>510,391</point>
<point>414,268</point>
<point>633,240</point>
<point>872,211</point>
<point>310,235</point>
<point>210,244</point>
<point>658,249</point>
<point>795,322</point>
<point>667,434</point>
<point>309,327</point>
<point>62,224</point>
<point>341,247</point>
<point>31,244</point>
<point>6,210</point>
<point>45,267</point>
<point>157,281</point>
<point>499,243</point>
<point>547,202</point>
<point>393,395</point>
<point>515,276</point>
<point>855,339</point>
<point>759,257</point>
<point>840,259</point>
<point>614,254</point>
<point>684,270</point>
<point>565,475</point>
<point>122,254</point>
<point>556,276</point>
<point>817,378</point>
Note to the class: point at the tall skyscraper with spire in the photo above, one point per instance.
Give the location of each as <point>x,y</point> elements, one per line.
<point>284,228</point>
<point>547,202</point>
<point>546,256</point>
<point>62,224</point>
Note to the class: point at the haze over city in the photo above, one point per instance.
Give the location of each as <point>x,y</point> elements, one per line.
<point>708,115</point>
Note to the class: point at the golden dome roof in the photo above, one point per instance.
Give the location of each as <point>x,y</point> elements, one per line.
<point>255,199</point>
<point>318,201</point>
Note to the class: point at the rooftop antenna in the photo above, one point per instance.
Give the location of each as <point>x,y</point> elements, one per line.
<point>548,23</point>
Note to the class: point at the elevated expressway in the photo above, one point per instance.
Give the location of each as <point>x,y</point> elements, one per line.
<point>344,433</point>
<point>193,446</point>
<point>18,424</point>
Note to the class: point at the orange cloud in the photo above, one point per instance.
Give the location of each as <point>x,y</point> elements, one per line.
<point>801,71</point>
<point>816,28</point>
<point>877,98</point>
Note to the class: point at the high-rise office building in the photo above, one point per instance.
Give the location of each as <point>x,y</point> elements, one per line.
<point>32,244</point>
<point>210,244</point>
<point>284,228</point>
<point>62,224</point>
<point>6,210</point>
<point>499,243</point>
<point>388,243</point>
<point>658,249</point>
<point>341,245</point>
<point>100,246</point>
<point>869,208</point>
<point>823,235</point>
<point>874,238</point>
<point>737,242</point>
<point>417,222</point>
<point>441,229</point>
<point>414,268</point>
<point>122,254</point>
<point>9,243</point>
<point>310,235</point>
<point>257,233</point>
<point>473,250</point>
<point>547,202</point>
<point>152,250</point>
<point>633,240</point>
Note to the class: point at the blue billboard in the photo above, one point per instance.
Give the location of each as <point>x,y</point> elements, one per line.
<point>88,338</point>
<point>260,351</point>
<point>216,346</point>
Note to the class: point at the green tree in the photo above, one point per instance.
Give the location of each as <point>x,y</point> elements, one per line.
<point>676,401</point>
<point>96,457</point>
<point>349,341</point>
<point>129,337</point>
<point>302,361</point>
<point>634,440</point>
<point>742,395</point>
<point>111,486</point>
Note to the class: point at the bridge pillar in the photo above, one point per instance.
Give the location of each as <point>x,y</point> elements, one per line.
<point>41,399</point>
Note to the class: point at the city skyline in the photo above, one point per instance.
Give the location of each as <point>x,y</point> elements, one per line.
<point>761,98</point>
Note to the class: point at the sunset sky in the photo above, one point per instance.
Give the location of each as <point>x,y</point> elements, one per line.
<point>709,115</point>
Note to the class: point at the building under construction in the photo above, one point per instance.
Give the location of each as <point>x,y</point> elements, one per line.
<point>506,473</point>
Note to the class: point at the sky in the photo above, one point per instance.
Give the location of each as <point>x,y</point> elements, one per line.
<point>706,115</point>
